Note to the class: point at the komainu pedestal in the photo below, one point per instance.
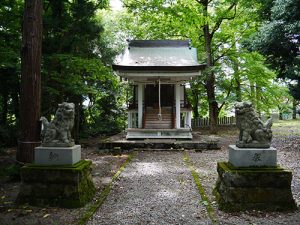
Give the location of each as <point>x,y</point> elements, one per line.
<point>58,176</point>
<point>239,189</point>
<point>68,186</point>
<point>251,179</point>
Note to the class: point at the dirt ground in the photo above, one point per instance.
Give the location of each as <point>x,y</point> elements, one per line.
<point>104,167</point>
<point>286,140</point>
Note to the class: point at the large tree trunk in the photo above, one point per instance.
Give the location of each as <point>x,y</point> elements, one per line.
<point>30,93</point>
<point>210,83</point>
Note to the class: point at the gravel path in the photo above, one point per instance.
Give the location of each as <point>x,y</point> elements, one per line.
<point>155,188</point>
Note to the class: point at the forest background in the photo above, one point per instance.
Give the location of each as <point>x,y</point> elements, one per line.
<point>251,49</point>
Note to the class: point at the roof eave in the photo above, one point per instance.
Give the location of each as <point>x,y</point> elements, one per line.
<point>193,68</point>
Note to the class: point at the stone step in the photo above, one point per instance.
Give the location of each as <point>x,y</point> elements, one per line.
<point>158,122</point>
<point>152,121</point>
<point>162,119</point>
<point>155,113</point>
<point>160,126</point>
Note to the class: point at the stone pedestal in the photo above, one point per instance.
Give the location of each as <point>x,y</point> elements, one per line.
<point>252,157</point>
<point>265,188</point>
<point>67,186</point>
<point>57,155</point>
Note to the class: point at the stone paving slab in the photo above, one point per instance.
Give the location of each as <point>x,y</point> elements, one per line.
<point>199,142</point>
<point>153,189</point>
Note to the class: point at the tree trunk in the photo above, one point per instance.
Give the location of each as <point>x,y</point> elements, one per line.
<point>237,79</point>
<point>30,93</point>
<point>294,109</point>
<point>252,94</point>
<point>258,99</point>
<point>280,112</point>
<point>210,83</point>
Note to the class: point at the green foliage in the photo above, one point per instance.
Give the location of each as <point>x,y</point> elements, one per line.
<point>231,23</point>
<point>10,41</point>
<point>81,39</point>
<point>75,67</point>
<point>278,39</point>
<point>76,59</point>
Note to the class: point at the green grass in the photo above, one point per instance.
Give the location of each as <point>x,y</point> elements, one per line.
<point>287,123</point>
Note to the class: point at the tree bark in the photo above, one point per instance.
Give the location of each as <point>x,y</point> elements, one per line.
<point>294,109</point>
<point>210,83</point>
<point>237,79</point>
<point>30,93</point>
<point>210,76</point>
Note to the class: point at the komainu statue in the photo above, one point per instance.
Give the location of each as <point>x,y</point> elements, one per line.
<point>57,133</point>
<point>253,132</point>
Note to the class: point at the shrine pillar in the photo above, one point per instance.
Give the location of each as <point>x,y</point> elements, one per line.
<point>140,105</point>
<point>177,105</point>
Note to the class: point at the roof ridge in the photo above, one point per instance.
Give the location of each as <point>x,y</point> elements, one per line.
<point>159,43</point>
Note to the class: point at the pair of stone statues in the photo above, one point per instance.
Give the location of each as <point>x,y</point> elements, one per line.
<point>253,132</point>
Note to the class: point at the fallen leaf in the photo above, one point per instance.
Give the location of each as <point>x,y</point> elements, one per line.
<point>205,203</point>
<point>46,215</point>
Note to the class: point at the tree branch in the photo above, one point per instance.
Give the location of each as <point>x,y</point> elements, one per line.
<point>225,53</point>
<point>228,93</point>
<point>204,2</point>
<point>220,20</point>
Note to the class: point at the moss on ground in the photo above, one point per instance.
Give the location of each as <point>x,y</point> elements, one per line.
<point>93,207</point>
<point>208,205</point>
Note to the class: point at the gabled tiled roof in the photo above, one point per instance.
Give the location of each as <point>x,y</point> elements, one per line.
<point>159,55</point>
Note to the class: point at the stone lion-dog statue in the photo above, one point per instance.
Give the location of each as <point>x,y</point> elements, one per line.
<point>57,133</point>
<point>253,132</point>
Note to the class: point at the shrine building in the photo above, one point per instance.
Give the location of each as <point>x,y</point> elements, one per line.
<point>158,71</point>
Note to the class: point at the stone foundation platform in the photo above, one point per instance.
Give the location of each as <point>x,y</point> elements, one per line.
<point>199,142</point>
<point>267,188</point>
<point>68,186</point>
